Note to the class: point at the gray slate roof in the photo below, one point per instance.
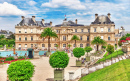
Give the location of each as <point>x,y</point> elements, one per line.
<point>68,23</point>
<point>102,20</point>
<point>29,22</point>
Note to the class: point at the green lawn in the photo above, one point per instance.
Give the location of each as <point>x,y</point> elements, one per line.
<point>116,72</point>
<point>108,57</point>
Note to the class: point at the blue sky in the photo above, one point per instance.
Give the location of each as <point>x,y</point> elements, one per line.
<point>55,10</point>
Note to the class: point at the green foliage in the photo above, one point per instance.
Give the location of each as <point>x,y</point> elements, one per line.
<point>110,49</point>
<point>78,52</point>
<point>75,37</point>
<point>113,55</point>
<point>12,36</point>
<point>2,36</point>
<point>20,71</point>
<point>123,38</point>
<point>1,46</point>
<point>119,71</point>
<point>119,43</point>
<point>88,49</point>
<point>104,47</point>
<point>9,58</point>
<point>69,45</point>
<point>57,45</point>
<point>1,57</point>
<point>21,57</point>
<point>59,59</point>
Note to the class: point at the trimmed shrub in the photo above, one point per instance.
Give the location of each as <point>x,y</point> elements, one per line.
<point>20,71</point>
<point>88,49</point>
<point>110,49</point>
<point>59,59</point>
<point>9,58</point>
<point>21,57</point>
<point>78,52</point>
<point>104,47</point>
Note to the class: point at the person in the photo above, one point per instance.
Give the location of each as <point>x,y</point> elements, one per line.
<point>25,55</point>
<point>82,61</point>
<point>71,54</point>
<point>10,55</point>
<point>16,53</point>
<point>7,56</point>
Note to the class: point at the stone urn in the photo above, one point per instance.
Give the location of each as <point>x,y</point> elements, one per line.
<point>36,54</point>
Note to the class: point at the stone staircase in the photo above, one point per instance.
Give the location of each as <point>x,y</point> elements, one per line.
<point>93,68</point>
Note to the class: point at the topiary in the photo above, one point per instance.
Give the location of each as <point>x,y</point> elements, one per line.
<point>59,60</point>
<point>9,58</point>
<point>20,71</point>
<point>78,52</point>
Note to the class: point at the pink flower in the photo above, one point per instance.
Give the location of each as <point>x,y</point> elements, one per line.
<point>128,38</point>
<point>123,40</point>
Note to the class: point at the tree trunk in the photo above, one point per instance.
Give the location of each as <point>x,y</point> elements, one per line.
<point>49,44</point>
<point>75,43</point>
<point>87,53</point>
<point>97,47</point>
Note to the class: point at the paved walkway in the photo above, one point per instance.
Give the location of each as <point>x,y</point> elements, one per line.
<point>43,70</point>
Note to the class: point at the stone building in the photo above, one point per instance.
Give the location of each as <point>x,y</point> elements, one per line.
<point>28,32</point>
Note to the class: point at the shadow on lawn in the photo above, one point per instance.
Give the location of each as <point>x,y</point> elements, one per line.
<point>50,79</point>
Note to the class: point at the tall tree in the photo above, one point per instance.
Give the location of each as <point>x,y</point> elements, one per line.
<point>48,33</point>
<point>2,36</point>
<point>12,36</point>
<point>75,37</point>
<point>98,41</point>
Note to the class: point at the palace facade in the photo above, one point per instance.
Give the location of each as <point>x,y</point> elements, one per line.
<point>28,32</point>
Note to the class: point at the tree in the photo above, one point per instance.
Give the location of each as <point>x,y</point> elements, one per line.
<point>20,71</point>
<point>98,41</point>
<point>110,49</point>
<point>48,33</point>
<point>57,45</point>
<point>75,37</point>
<point>2,36</point>
<point>104,47</point>
<point>12,36</point>
<point>88,49</point>
<point>59,59</point>
<point>69,45</point>
<point>78,52</point>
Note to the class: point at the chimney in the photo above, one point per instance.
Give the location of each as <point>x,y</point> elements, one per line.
<point>22,17</point>
<point>33,18</point>
<point>96,15</point>
<point>50,23</point>
<point>76,21</point>
<point>109,15</point>
<point>43,21</point>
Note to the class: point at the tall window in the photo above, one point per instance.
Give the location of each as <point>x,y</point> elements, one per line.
<point>19,38</point>
<point>57,31</point>
<point>81,45</point>
<point>109,30</point>
<point>80,37</point>
<point>25,38</point>
<point>31,30</point>
<point>31,38</point>
<point>109,38</point>
<point>73,45</point>
<point>19,45</point>
<point>94,29</point>
<point>64,38</point>
<point>101,29</point>
<point>31,45</point>
<point>82,30</point>
<point>19,30</point>
<point>43,45</point>
<point>88,30</point>
<point>25,30</point>
<point>75,30</point>
<point>55,45</point>
<point>87,38</point>
<point>25,45</point>
<point>64,45</point>
<point>101,37</point>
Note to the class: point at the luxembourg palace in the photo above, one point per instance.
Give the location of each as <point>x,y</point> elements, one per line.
<point>27,33</point>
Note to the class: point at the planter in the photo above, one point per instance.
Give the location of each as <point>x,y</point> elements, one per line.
<point>88,58</point>
<point>59,75</point>
<point>48,53</point>
<point>78,63</point>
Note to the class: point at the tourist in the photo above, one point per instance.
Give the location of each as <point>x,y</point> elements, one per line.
<point>71,54</point>
<point>10,55</point>
<point>82,61</point>
<point>25,55</point>
<point>16,53</point>
<point>7,56</point>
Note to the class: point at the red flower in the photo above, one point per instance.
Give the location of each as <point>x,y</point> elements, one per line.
<point>128,38</point>
<point>123,40</point>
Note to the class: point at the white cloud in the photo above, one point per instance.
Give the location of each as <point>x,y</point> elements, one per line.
<point>10,9</point>
<point>72,4</point>
<point>32,3</point>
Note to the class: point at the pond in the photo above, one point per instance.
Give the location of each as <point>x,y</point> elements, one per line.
<point>20,53</point>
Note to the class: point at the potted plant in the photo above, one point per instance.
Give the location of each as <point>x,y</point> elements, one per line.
<point>78,52</point>
<point>58,61</point>
<point>88,49</point>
